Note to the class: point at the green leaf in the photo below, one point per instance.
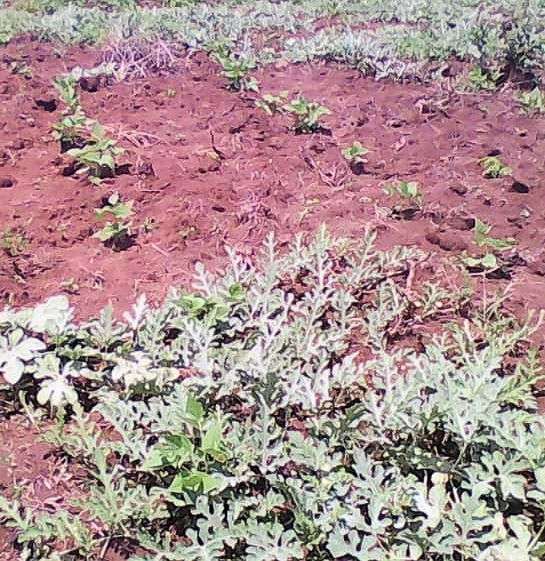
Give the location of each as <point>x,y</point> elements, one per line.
<point>236,292</point>
<point>213,437</point>
<point>194,409</point>
<point>539,474</point>
<point>196,481</point>
<point>193,304</point>
<point>173,450</point>
<point>482,239</point>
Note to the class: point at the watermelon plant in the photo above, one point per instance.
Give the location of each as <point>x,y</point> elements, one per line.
<point>271,415</point>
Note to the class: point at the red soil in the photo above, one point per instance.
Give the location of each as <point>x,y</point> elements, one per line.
<point>216,170</point>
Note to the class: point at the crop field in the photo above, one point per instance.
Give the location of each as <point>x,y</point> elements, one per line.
<point>272,280</point>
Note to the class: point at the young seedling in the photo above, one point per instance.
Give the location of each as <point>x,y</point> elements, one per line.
<point>483,80</point>
<point>408,190</point>
<point>482,239</point>
<point>98,157</point>
<point>307,114</point>
<point>532,102</point>
<point>70,131</point>
<point>354,155</point>
<point>486,263</point>
<point>21,68</point>
<point>13,242</point>
<point>410,198</point>
<point>115,207</point>
<point>117,234</point>
<point>66,86</point>
<point>272,104</point>
<point>237,71</point>
<point>494,168</point>
<point>219,48</point>
<point>148,225</point>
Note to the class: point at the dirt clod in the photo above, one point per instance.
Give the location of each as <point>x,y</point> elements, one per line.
<point>7,182</point>
<point>90,83</point>
<point>461,222</point>
<point>520,187</point>
<point>448,241</point>
<point>459,189</point>
<point>18,144</point>
<point>48,104</point>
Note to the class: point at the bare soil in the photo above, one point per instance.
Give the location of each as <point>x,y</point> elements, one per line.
<point>209,169</point>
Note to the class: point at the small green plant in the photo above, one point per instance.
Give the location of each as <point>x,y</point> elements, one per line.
<point>493,167</point>
<point>483,80</point>
<point>214,309</point>
<point>487,262</point>
<point>192,464</point>
<point>237,71</point>
<point>116,207</point>
<point>13,242</point>
<point>307,114</point>
<point>219,48</point>
<point>355,152</point>
<point>117,234</point>
<point>354,155</point>
<point>408,197</point>
<point>532,102</point>
<point>98,157</point>
<point>407,190</point>
<point>272,104</point>
<point>21,68</point>
<point>66,85</point>
<point>70,131</point>
<point>148,225</point>
<point>482,239</point>
<point>114,234</point>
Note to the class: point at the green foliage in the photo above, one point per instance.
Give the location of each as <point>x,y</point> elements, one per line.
<point>41,6</point>
<point>237,71</point>
<point>98,157</point>
<point>483,80</point>
<point>256,435</point>
<point>70,129</point>
<point>485,263</point>
<point>116,208</point>
<point>532,102</point>
<point>482,239</point>
<point>503,37</point>
<point>115,234</point>
<point>355,152</point>
<point>13,242</point>
<point>66,86</point>
<point>272,104</point>
<point>307,114</point>
<point>405,190</point>
<point>494,168</point>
